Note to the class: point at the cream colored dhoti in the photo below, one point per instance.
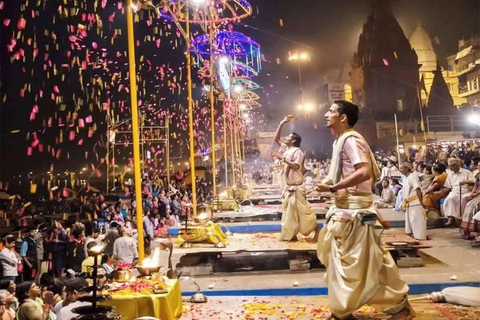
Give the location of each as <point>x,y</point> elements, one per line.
<point>359,270</point>
<point>297,215</point>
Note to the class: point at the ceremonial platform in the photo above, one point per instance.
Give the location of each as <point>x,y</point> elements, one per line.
<point>254,246</point>
<point>301,295</point>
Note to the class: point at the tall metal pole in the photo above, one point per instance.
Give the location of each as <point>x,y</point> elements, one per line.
<point>135,131</point>
<point>190,115</point>
<point>212,115</point>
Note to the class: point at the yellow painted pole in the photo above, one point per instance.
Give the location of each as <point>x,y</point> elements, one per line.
<point>167,124</point>
<point>136,135</point>
<point>190,115</point>
<point>233,158</point>
<point>212,116</point>
<point>225,149</point>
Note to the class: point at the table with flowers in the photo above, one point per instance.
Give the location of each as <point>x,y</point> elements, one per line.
<point>145,297</point>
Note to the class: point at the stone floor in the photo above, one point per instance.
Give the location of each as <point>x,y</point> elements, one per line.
<point>307,308</point>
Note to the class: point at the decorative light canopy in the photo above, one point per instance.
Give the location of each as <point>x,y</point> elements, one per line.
<point>232,44</point>
<point>207,11</point>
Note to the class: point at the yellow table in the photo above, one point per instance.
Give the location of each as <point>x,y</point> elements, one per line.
<point>167,306</point>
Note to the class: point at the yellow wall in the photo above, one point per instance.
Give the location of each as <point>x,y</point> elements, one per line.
<point>451,80</point>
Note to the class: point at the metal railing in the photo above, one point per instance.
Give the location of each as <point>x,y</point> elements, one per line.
<point>446,123</point>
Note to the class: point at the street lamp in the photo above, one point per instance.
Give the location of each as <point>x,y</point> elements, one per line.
<point>306,107</point>
<point>298,58</point>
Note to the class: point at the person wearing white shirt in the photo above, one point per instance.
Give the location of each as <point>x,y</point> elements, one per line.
<point>458,180</point>
<point>125,248</point>
<point>415,218</point>
<point>75,290</point>
<point>9,259</point>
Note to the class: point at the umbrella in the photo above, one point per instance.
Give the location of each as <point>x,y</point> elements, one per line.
<point>465,296</point>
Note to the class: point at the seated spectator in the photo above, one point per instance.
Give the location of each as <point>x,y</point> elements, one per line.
<point>11,287</point>
<point>384,174</point>
<point>474,166</point>
<point>393,171</point>
<point>387,199</point>
<point>469,224</point>
<point>398,203</point>
<point>426,177</point>
<point>7,300</point>
<point>396,186</point>
<point>435,191</point>
<point>458,180</point>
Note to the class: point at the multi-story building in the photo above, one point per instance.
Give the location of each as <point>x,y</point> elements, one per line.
<point>467,62</point>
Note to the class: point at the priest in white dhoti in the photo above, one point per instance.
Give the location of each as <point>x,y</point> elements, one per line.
<point>458,181</point>
<point>297,214</point>
<point>415,215</point>
<point>359,270</point>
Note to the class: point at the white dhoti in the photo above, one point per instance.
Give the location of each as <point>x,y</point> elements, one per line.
<point>416,222</point>
<point>359,270</point>
<point>452,203</point>
<point>297,214</point>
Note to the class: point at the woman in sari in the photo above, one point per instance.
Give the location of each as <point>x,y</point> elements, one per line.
<point>469,224</point>
<point>435,190</point>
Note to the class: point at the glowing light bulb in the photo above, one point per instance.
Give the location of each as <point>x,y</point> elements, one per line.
<point>223,60</point>
<point>237,89</point>
<point>474,119</point>
<point>304,56</point>
<point>309,107</point>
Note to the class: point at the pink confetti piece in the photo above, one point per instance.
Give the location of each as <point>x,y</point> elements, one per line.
<point>21,23</point>
<point>6,22</point>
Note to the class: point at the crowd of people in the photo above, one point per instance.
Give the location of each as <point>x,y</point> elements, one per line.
<point>437,182</point>
<point>55,248</point>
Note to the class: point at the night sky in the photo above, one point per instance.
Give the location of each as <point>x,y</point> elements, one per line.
<point>328,29</point>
